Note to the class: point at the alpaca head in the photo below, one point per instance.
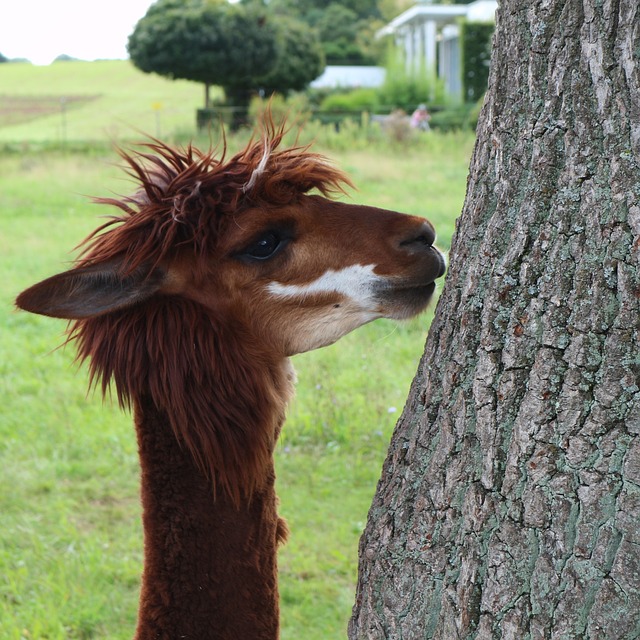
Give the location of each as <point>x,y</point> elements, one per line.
<point>216,267</point>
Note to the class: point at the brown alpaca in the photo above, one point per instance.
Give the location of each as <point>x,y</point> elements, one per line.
<point>190,301</point>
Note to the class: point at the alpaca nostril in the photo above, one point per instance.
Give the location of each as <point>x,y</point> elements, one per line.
<point>423,237</point>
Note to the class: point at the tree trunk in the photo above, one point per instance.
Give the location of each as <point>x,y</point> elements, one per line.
<point>238,100</point>
<point>509,504</point>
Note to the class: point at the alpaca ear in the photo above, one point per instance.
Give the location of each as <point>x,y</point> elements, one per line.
<point>91,291</point>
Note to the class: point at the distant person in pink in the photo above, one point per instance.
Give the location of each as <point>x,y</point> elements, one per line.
<point>420,118</point>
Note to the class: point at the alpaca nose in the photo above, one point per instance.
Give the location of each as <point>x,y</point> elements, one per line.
<point>420,242</point>
<point>419,238</point>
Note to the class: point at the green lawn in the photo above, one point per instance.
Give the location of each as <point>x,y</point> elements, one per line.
<point>102,101</point>
<point>70,541</point>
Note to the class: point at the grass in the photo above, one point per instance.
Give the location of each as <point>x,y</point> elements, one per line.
<point>70,541</point>
<point>97,101</point>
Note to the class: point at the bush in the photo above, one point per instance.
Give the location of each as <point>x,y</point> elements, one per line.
<point>357,100</point>
<point>462,117</point>
<point>404,90</point>
<point>397,127</point>
<point>301,59</point>
<point>240,47</point>
<point>475,38</point>
<point>294,109</point>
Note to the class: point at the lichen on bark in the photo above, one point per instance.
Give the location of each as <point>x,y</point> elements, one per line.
<point>509,504</point>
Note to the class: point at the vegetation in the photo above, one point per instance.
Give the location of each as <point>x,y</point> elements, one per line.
<point>81,103</point>
<point>301,59</point>
<point>212,43</point>
<point>223,54</point>
<point>463,116</point>
<point>346,28</point>
<point>343,35</point>
<point>352,101</point>
<point>112,101</point>
<point>405,90</point>
<point>475,55</point>
<point>70,542</point>
<point>241,48</point>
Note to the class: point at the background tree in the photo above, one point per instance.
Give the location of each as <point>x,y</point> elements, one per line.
<point>339,30</point>
<point>389,9</point>
<point>210,42</point>
<point>301,59</point>
<point>509,504</point>
<point>346,29</point>
<point>302,8</point>
<point>217,43</point>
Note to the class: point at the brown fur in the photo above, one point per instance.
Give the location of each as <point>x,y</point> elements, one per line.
<point>210,572</point>
<point>223,395</point>
<point>207,374</point>
<point>171,307</point>
<point>188,197</point>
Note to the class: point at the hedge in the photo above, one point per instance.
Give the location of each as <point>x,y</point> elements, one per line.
<point>475,39</point>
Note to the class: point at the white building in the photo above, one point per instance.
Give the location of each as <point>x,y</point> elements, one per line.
<point>349,77</point>
<point>429,33</point>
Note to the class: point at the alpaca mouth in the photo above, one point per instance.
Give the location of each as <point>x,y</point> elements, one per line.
<point>437,265</point>
<point>402,300</point>
<point>442,263</point>
<point>405,302</point>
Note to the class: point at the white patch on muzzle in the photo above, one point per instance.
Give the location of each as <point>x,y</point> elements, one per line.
<point>358,283</point>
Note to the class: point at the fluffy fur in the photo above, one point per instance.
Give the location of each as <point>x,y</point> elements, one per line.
<point>189,333</point>
<point>220,390</point>
<point>187,197</point>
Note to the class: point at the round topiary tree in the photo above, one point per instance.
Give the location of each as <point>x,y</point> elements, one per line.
<point>212,42</point>
<point>234,46</point>
<point>301,58</point>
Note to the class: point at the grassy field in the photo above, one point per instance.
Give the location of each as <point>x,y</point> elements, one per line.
<point>70,541</point>
<point>96,101</point>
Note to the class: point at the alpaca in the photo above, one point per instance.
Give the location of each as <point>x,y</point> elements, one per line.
<point>190,300</point>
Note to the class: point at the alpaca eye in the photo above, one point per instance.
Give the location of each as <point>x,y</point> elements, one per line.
<point>265,247</point>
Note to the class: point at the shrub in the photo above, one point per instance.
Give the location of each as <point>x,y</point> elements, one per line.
<point>397,127</point>
<point>403,89</point>
<point>464,116</point>
<point>474,114</point>
<point>475,38</point>
<point>357,100</point>
<point>294,109</point>
<point>301,59</point>
<point>240,47</point>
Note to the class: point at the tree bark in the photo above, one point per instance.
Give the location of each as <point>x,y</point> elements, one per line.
<point>509,504</point>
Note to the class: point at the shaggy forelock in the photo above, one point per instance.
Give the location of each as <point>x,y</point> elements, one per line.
<point>184,195</point>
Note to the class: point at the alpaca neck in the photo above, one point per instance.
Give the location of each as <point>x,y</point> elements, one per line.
<point>209,565</point>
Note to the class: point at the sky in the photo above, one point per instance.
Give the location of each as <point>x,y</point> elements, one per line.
<point>41,30</point>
